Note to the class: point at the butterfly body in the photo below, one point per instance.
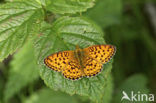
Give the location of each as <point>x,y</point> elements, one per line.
<point>76,64</point>
<point>78,54</point>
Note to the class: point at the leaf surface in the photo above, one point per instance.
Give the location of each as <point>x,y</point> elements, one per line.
<point>23,71</point>
<point>19,21</point>
<point>69,6</point>
<point>50,96</point>
<point>65,34</point>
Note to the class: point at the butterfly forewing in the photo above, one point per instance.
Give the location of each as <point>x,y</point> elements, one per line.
<point>59,60</point>
<point>101,53</point>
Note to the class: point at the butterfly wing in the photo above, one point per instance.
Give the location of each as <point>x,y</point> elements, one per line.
<point>58,60</point>
<point>91,67</point>
<point>93,59</point>
<point>66,63</point>
<point>95,56</point>
<point>101,53</point>
<point>73,70</point>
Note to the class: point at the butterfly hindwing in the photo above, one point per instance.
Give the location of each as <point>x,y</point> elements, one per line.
<point>66,63</point>
<point>91,67</point>
<point>73,70</point>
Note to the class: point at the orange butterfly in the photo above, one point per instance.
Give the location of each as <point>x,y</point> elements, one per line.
<point>76,64</point>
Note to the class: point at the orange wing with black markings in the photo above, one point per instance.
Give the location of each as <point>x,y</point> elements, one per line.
<point>73,70</point>
<point>81,62</point>
<point>101,53</point>
<point>95,57</point>
<point>66,63</point>
<point>59,60</point>
<point>91,67</point>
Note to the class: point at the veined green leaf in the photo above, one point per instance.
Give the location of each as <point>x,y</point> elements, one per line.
<point>106,91</point>
<point>65,33</point>
<point>18,22</point>
<point>69,6</point>
<point>23,71</point>
<point>50,97</point>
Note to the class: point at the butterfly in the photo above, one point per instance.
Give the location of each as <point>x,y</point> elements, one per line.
<point>75,64</point>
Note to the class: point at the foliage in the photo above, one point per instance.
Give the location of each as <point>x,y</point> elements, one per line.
<point>50,96</point>
<point>66,32</point>
<point>30,30</point>
<point>23,72</point>
<point>62,34</point>
<point>134,83</point>
<point>69,6</point>
<point>18,21</point>
<point>104,14</point>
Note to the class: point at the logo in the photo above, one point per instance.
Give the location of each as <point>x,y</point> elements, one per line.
<point>137,96</point>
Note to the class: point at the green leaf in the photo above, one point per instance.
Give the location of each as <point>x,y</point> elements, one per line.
<point>108,91</point>
<point>69,6</point>
<point>64,34</point>
<point>18,22</point>
<point>50,97</point>
<point>105,12</point>
<point>23,71</point>
<point>134,83</point>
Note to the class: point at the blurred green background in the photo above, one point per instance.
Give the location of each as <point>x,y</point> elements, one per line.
<point>130,25</point>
